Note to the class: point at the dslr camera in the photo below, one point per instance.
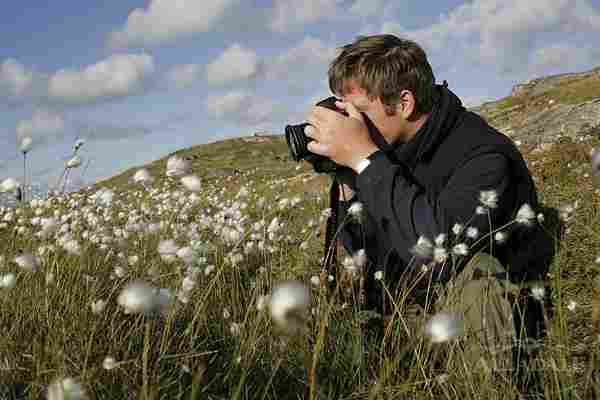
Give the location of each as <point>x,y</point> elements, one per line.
<point>297,142</point>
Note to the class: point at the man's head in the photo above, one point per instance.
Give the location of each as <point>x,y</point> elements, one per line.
<point>387,78</point>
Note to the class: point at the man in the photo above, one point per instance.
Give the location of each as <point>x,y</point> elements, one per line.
<point>427,170</point>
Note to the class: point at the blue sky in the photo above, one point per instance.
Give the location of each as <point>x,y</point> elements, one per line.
<point>138,79</point>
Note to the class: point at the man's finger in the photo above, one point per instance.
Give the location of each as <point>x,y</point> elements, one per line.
<point>351,110</point>
<point>310,131</point>
<point>318,148</point>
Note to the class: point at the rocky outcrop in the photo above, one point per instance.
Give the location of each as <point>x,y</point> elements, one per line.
<point>546,109</point>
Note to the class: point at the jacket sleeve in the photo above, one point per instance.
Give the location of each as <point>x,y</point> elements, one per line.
<point>403,210</point>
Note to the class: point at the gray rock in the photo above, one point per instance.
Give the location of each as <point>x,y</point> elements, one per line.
<point>551,123</point>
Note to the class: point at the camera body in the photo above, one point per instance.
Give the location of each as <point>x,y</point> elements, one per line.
<point>297,142</point>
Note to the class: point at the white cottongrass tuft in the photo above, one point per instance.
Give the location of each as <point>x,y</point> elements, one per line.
<point>98,306</point>
<point>572,305</point>
<point>538,293</point>
<point>262,302</point>
<point>74,162</point>
<point>49,225</point>
<point>168,250</point>
<point>139,298</point>
<point>457,229</point>
<point>356,210</point>
<point>235,328</point>
<point>72,247</point>
<point>186,254</point>
<point>423,248</point>
<point>472,232</point>
<point>8,281</point>
<point>360,258</point>
<point>489,198</point>
<point>443,327</point>
<point>461,249</point>
<point>104,197</point>
<point>191,183</point>
<point>178,166</point>
<point>481,210</point>
<point>274,226</point>
<point>525,215</point>
<point>26,144</point>
<point>226,313</point>
<point>500,237</point>
<point>143,177</point>
<point>379,275</point>
<point>109,363</point>
<point>540,218</point>
<point>9,185</point>
<point>289,304</point>
<point>28,262</point>
<point>78,144</point>
<point>440,239</point>
<point>440,254</point>
<point>66,389</point>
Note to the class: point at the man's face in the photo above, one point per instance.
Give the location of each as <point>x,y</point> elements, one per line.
<point>390,126</point>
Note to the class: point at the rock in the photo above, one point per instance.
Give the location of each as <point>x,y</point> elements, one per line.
<point>562,120</point>
<point>534,118</point>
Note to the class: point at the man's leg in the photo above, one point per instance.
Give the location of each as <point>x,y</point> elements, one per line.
<point>479,294</point>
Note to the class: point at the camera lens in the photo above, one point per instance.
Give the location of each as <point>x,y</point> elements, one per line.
<point>297,141</point>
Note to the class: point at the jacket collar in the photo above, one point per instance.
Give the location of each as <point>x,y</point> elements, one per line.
<point>443,117</point>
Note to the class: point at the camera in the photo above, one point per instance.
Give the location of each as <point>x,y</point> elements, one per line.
<point>297,142</point>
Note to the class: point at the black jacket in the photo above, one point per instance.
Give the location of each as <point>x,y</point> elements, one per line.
<point>426,185</point>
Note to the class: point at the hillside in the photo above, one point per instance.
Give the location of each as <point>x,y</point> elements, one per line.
<point>212,258</point>
<point>546,109</point>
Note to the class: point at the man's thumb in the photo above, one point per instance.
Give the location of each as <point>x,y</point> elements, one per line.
<point>350,109</point>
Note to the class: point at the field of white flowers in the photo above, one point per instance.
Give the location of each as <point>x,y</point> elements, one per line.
<point>164,284</point>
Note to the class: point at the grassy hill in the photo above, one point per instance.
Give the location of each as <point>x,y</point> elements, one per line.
<point>257,221</point>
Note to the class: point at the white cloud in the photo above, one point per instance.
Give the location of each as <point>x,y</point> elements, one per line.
<point>41,127</point>
<point>165,20</point>
<point>244,108</point>
<point>302,65</point>
<point>501,33</point>
<point>234,64</point>
<point>119,75</point>
<point>310,51</point>
<point>15,78</point>
<point>562,56</point>
<point>367,8</point>
<point>230,103</point>
<point>290,14</point>
<point>184,76</point>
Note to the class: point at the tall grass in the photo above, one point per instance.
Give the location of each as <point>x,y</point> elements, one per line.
<point>219,342</point>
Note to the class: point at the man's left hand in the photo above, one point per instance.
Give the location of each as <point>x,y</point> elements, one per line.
<point>344,140</point>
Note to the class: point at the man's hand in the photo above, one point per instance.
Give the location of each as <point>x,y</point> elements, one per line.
<point>344,140</point>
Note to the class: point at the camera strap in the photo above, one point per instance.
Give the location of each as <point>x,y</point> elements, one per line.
<point>330,258</point>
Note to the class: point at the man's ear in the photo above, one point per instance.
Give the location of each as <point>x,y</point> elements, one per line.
<point>406,105</point>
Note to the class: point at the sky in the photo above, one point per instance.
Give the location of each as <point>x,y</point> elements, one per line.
<point>138,79</point>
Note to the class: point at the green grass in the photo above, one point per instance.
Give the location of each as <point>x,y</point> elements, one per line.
<point>572,90</point>
<point>48,330</point>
